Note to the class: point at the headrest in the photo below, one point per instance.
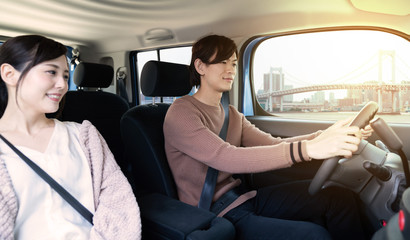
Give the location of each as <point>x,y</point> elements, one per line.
<point>164,79</point>
<point>93,75</point>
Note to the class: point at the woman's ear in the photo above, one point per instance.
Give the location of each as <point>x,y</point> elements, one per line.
<point>199,66</point>
<point>9,74</point>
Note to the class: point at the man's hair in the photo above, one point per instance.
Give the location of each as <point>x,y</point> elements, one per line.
<point>205,48</point>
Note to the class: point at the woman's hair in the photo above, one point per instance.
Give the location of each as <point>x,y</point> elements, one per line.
<point>205,48</point>
<point>24,53</point>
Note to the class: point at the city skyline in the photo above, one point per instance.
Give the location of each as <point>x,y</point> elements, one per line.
<point>333,58</point>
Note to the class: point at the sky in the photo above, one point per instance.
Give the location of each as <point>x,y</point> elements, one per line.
<point>350,56</point>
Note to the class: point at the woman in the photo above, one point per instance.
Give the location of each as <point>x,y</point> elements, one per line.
<point>287,211</point>
<point>34,75</point>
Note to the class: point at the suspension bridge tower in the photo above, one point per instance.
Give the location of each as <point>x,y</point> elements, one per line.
<point>382,56</point>
<point>276,83</point>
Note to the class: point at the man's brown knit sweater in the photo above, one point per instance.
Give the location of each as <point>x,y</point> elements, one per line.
<point>192,144</point>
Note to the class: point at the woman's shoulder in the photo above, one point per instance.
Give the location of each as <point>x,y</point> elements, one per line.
<point>68,125</point>
<point>71,124</point>
<point>86,127</point>
<point>81,128</point>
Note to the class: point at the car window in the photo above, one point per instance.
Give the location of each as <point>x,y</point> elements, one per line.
<point>71,84</point>
<point>180,55</point>
<point>331,75</point>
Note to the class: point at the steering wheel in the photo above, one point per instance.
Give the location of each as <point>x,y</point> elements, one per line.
<point>361,120</point>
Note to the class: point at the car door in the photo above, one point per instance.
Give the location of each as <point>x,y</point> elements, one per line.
<point>301,82</point>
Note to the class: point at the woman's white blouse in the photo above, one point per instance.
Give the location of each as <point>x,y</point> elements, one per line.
<point>42,212</point>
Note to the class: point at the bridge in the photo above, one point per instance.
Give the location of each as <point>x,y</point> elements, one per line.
<point>275,90</point>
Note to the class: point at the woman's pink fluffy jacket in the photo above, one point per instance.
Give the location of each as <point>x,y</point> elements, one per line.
<point>117,214</point>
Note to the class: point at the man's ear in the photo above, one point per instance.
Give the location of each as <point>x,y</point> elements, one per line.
<point>199,66</point>
<point>9,74</point>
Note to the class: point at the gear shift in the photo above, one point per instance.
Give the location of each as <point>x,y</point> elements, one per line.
<point>381,172</point>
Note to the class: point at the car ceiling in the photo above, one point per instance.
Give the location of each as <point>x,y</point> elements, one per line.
<point>111,26</point>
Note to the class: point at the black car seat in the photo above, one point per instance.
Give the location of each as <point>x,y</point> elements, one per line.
<point>103,109</point>
<point>163,216</point>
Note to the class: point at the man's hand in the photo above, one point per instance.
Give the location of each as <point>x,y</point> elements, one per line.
<point>366,132</point>
<point>338,140</point>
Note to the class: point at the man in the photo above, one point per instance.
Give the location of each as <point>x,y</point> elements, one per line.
<point>192,144</point>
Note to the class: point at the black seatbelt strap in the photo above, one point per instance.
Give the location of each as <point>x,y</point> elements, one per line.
<point>212,174</point>
<point>121,77</point>
<point>57,187</point>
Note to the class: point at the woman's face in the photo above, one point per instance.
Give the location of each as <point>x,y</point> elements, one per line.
<point>44,85</point>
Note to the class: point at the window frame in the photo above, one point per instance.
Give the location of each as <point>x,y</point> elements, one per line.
<point>248,104</point>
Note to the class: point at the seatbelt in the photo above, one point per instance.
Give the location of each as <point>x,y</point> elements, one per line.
<point>208,189</point>
<point>121,76</point>
<point>57,187</point>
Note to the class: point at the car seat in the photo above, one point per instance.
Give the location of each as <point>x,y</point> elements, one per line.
<point>398,227</point>
<point>163,215</point>
<point>103,109</point>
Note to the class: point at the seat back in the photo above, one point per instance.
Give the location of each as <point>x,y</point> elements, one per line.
<point>142,128</point>
<point>103,109</point>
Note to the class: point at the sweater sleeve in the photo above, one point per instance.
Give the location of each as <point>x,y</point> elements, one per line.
<point>186,131</point>
<point>8,204</point>
<point>117,213</point>
<point>253,136</point>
